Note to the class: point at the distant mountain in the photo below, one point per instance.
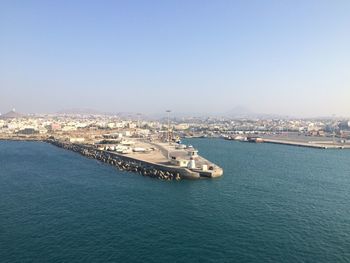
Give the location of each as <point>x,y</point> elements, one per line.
<point>12,115</point>
<point>240,112</point>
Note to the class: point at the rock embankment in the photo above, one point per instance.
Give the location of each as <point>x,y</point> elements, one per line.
<point>123,164</point>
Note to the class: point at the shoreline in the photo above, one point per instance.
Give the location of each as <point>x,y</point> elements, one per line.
<point>22,139</point>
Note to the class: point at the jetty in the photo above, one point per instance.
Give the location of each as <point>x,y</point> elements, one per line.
<point>311,144</point>
<point>159,160</point>
<point>299,141</point>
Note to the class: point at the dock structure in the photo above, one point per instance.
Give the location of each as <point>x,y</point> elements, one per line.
<point>164,161</point>
<point>188,157</point>
<point>299,141</point>
<point>310,144</point>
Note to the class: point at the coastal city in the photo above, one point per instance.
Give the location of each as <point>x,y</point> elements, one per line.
<point>326,132</point>
<point>154,147</point>
<point>150,148</point>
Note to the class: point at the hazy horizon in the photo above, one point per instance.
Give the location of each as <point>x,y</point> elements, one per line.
<point>287,58</point>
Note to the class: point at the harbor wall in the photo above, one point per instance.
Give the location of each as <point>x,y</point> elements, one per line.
<point>316,145</point>
<point>126,163</point>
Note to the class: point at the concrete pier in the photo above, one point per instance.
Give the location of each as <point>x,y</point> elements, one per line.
<point>316,145</point>
<point>137,163</point>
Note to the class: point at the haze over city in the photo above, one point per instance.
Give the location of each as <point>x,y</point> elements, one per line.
<point>274,57</point>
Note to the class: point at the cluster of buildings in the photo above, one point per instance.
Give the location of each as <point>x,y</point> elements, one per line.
<point>309,127</point>
<point>19,124</point>
<point>75,126</point>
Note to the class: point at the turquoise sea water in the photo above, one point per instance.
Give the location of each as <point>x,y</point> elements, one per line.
<point>274,204</point>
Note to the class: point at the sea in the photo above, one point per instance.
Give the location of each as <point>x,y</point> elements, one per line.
<point>274,203</point>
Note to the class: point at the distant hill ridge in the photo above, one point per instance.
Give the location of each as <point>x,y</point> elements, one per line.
<point>11,115</point>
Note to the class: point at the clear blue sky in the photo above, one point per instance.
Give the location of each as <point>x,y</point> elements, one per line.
<point>288,57</point>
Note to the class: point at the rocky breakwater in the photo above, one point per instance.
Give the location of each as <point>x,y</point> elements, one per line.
<point>122,163</point>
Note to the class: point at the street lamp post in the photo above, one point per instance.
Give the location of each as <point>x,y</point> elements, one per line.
<point>334,122</point>
<point>138,125</point>
<point>168,113</point>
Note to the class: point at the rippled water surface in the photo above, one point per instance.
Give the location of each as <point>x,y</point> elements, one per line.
<point>274,204</point>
